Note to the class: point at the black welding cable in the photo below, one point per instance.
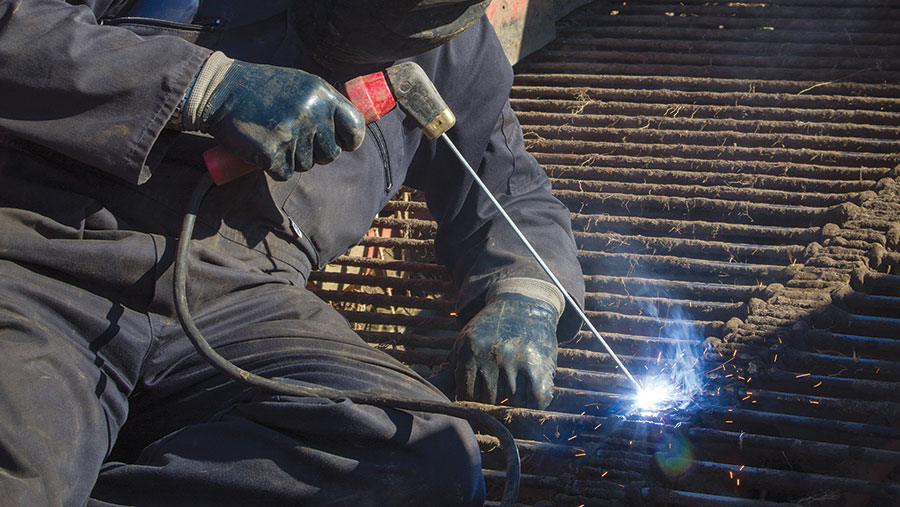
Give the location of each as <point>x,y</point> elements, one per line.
<point>278,386</point>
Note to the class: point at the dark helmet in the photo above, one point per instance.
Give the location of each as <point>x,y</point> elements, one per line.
<point>381,31</point>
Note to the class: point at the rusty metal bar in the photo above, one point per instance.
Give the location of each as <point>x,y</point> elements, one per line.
<point>636,305</point>
<point>786,169</point>
<point>725,47</point>
<point>872,369</point>
<point>752,63</point>
<point>792,447</point>
<point>780,11</point>
<point>813,3</point>
<point>811,37</point>
<point>824,405</point>
<point>590,361</point>
<point>867,75</point>
<point>589,380</point>
<point>652,106</point>
<point>700,249</point>
<point>872,133</point>
<point>415,284</point>
<point>727,192</point>
<point>884,348</point>
<point>718,417</point>
<point>744,233</point>
<point>614,81</point>
<point>715,138</point>
<point>410,266</point>
<point>809,21</point>
<point>712,152</point>
<point>385,300</point>
<point>426,227</point>
<point>688,269</point>
<point>888,105</point>
<point>400,319</point>
<point>795,482</point>
<point>665,496</point>
<point>436,340</point>
<point>422,245</point>
<point>563,174</point>
<point>414,206</point>
<point>868,303</point>
<point>703,208</point>
<point>881,283</point>
<point>672,288</point>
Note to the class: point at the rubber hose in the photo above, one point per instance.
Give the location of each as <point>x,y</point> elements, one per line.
<point>278,386</point>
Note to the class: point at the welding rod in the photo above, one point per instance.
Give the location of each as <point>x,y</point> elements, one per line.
<point>539,259</point>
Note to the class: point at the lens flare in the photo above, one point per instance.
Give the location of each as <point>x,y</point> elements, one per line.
<point>674,455</point>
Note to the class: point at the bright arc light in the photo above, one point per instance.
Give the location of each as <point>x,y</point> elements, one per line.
<point>653,398</point>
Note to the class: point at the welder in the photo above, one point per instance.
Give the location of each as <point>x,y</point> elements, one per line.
<point>105,110</point>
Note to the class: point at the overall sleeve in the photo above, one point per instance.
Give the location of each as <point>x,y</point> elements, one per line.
<point>473,240</point>
<point>97,94</point>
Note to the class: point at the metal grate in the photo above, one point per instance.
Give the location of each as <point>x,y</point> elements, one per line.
<point>731,168</point>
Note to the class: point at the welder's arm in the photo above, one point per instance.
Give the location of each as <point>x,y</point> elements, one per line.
<point>508,348</point>
<point>477,244</point>
<point>97,94</point>
<point>514,315</point>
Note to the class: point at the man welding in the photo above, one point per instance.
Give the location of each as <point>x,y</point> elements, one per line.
<point>105,109</point>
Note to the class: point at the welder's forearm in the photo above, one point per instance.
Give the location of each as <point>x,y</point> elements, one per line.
<point>98,94</point>
<point>523,189</point>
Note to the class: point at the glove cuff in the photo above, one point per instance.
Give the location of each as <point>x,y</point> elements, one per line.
<point>530,287</point>
<point>210,76</point>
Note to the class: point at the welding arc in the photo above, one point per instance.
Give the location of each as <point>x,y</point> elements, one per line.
<point>480,419</point>
<point>540,260</point>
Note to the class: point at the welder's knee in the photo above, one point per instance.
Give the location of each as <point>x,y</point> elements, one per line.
<point>448,468</point>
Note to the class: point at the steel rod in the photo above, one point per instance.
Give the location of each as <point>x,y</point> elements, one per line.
<point>574,305</point>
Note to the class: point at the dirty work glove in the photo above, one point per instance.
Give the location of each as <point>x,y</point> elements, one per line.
<point>508,350</point>
<point>279,119</point>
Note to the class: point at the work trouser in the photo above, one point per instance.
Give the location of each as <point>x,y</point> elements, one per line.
<point>103,400</point>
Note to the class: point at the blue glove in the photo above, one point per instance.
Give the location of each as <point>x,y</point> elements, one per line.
<point>279,119</point>
<point>508,350</point>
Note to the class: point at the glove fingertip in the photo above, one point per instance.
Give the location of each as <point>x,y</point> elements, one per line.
<point>511,376</point>
<point>350,127</point>
<point>465,378</point>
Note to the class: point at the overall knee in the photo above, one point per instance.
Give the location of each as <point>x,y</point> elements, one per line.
<point>449,464</point>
